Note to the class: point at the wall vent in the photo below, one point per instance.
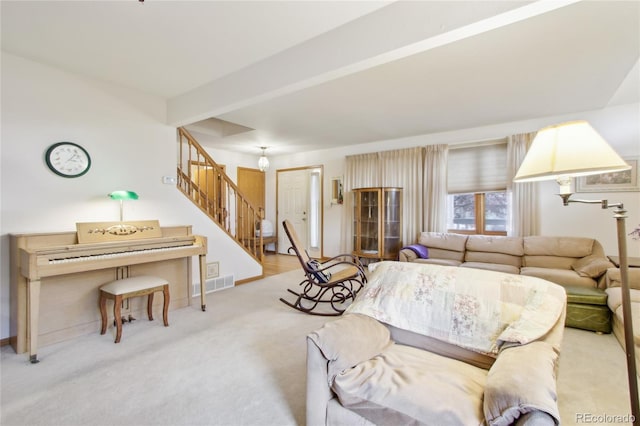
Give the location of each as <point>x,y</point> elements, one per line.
<point>214,284</point>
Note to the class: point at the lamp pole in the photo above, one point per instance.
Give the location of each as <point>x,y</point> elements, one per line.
<point>620,214</point>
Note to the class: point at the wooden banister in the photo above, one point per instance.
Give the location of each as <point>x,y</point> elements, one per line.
<point>207,185</point>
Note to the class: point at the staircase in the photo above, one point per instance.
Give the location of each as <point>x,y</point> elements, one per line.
<point>207,185</point>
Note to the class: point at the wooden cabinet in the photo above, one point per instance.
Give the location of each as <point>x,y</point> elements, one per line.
<point>377,223</point>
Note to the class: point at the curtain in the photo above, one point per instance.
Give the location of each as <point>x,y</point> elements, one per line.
<point>361,171</point>
<point>403,168</point>
<point>434,206</point>
<point>524,218</point>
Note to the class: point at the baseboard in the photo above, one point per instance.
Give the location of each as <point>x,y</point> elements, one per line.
<point>248,280</point>
<point>6,341</point>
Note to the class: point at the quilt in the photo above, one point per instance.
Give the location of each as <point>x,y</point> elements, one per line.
<point>476,309</point>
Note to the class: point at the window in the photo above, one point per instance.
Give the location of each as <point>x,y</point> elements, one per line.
<point>478,213</point>
<point>477,179</point>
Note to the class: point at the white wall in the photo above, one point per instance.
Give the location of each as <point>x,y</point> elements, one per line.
<point>619,125</point>
<point>130,147</point>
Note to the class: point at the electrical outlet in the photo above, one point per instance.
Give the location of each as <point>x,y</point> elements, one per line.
<point>213,269</point>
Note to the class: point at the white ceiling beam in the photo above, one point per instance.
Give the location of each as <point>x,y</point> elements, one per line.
<point>366,42</point>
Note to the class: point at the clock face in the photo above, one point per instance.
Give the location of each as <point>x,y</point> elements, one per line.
<point>68,159</point>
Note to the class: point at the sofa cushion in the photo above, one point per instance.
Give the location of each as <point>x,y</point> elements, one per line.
<point>405,385</point>
<point>443,262</point>
<point>443,240</point>
<point>591,266</point>
<point>614,299</point>
<point>444,245</point>
<point>492,267</point>
<point>436,253</point>
<point>488,257</point>
<point>558,246</point>
<point>485,243</point>
<point>553,262</point>
<point>563,277</point>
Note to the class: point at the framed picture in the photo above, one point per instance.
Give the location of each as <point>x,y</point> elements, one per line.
<point>626,181</point>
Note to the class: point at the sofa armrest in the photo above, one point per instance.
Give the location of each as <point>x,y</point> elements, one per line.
<point>522,381</point>
<point>337,346</point>
<point>407,255</point>
<point>613,278</point>
<point>350,340</point>
<point>318,391</point>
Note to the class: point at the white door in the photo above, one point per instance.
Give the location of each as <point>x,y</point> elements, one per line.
<point>300,202</point>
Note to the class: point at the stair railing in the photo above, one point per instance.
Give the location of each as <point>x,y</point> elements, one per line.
<point>207,185</point>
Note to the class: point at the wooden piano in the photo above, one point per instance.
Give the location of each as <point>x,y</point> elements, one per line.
<point>55,278</point>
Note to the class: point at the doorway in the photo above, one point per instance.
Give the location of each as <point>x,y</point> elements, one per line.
<point>299,194</point>
<point>210,193</point>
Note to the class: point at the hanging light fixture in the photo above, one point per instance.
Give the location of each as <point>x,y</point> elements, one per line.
<point>263,162</point>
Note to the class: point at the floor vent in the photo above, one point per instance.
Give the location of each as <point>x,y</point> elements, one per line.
<point>214,284</point>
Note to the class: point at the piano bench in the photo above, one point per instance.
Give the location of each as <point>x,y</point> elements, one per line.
<point>125,288</point>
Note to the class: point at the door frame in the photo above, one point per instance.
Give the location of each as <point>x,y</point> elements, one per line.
<point>293,169</point>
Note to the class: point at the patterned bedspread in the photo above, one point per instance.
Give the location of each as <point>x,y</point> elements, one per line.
<point>476,309</point>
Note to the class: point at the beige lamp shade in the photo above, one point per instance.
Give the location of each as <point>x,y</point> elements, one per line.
<point>567,150</point>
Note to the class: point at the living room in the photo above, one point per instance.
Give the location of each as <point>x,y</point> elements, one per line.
<point>130,135</point>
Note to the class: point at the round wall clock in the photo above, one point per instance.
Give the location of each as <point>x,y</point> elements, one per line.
<point>68,159</point>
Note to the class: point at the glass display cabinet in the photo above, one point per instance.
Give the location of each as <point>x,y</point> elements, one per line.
<point>377,223</point>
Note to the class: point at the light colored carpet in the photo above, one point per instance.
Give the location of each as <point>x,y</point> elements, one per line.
<point>240,363</point>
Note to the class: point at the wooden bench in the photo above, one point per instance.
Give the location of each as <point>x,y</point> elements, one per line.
<point>122,289</point>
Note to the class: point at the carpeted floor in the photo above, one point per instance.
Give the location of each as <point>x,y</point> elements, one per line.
<point>240,363</point>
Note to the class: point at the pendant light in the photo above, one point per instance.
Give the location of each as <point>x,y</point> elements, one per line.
<point>263,162</point>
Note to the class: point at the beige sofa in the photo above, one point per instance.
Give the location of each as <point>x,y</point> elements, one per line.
<point>614,301</point>
<point>364,371</point>
<point>568,261</point>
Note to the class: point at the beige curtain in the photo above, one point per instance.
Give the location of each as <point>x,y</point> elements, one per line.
<point>434,207</point>
<point>361,171</point>
<point>403,168</point>
<point>524,216</point>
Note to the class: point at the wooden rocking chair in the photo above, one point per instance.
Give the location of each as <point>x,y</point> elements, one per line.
<point>332,282</point>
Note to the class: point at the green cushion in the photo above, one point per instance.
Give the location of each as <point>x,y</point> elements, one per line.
<point>586,295</point>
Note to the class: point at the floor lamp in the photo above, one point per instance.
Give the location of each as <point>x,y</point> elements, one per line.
<point>572,149</point>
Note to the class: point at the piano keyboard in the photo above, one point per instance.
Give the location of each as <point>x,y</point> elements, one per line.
<point>102,256</point>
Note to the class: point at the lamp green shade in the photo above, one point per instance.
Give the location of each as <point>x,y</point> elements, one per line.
<point>123,195</point>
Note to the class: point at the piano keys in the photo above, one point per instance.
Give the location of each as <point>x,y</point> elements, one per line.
<point>55,280</point>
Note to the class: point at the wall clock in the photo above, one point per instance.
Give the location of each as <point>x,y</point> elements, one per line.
<point>68,159</point>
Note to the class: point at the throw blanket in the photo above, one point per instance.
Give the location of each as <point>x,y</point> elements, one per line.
<point>476,309</point>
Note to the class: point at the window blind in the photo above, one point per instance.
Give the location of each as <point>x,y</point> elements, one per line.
<point>479,168</point>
